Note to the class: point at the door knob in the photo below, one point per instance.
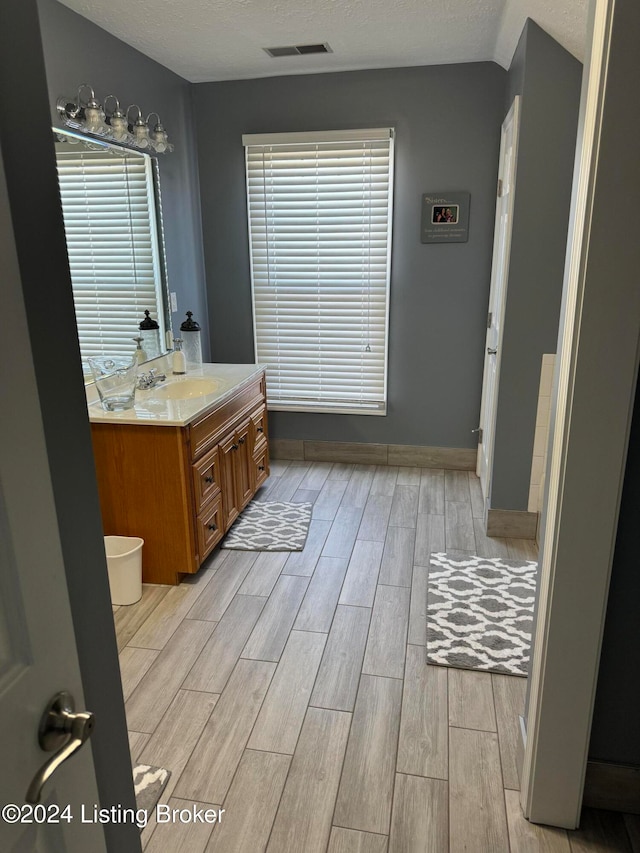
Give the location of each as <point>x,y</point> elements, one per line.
<point>491,351</point>
<point>63,730</point>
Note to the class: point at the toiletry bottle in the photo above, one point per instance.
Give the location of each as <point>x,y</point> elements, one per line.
<point>192,346</point>
<point>179,363</point>
<point>141,355</point>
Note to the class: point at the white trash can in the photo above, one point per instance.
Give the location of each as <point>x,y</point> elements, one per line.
<point>124,562</point>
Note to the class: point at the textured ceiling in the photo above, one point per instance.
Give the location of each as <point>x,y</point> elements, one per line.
<point>223,39</point>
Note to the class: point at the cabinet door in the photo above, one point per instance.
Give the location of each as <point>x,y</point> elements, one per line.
<point>227,450</point>
<point>245,485</point>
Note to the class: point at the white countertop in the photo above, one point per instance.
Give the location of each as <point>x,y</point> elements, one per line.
<point>151,408</point>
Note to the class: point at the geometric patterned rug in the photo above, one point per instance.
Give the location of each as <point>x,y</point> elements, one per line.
<point>270,526</point>
<point>149,782</point>
<point>480,613</point>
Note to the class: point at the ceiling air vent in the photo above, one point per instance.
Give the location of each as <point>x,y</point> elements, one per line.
<point>297,49</point>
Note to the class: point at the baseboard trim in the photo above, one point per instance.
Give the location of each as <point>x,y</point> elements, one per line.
<point>407,455</point>
<point>286,448</point>
<point>612,786</point>
<point>453,458</point>
<point>512,524</point>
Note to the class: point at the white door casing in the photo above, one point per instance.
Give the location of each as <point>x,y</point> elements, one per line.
<point>595,382</point>
<point>498,294</point>
<point>38,655</point>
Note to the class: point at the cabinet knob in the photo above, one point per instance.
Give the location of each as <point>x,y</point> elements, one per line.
<point>242,439</point>
<point>234,446</point>
<point>212,527</point>
<point>260,467</point>
<point>208,479</point>
<point>260,429</point>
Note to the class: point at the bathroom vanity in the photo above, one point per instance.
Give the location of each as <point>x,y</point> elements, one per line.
<point>179,467</point>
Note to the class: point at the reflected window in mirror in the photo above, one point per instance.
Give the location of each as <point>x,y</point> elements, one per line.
<point>111,211</point>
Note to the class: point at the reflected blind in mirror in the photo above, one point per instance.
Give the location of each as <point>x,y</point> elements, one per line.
<point>319,208</point>
<point>110,225</point>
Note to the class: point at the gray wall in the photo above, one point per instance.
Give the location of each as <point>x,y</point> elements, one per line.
<point>615,733</point>
<point>28,156</point>
<point>549,79</point>
<point>77,51</point>
<point>447,120</point>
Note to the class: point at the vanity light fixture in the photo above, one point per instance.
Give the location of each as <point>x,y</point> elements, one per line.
<point>89,117</point>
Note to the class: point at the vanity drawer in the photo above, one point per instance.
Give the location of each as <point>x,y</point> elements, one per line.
<point>209,431</point>
<point>209,527</point>
<point>206,478</point>
<point>261,463</point>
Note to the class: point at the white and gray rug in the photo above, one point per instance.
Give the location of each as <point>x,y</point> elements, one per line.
<point>149,782</point>
<point>480,613</point>
<point>270,526</point>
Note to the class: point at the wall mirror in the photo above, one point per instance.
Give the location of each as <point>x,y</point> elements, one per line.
<point>113,226</point>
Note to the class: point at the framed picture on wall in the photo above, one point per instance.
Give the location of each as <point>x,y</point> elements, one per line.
<point>445,217</point>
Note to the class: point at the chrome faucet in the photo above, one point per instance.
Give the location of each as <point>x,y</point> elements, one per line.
<point>150,379</point>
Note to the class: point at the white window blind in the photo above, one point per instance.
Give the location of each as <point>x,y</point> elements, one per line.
<point>110,225</point>
<point>319,207</point>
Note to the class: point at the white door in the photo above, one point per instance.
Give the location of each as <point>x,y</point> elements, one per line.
<point>497,296</point>
<point>38,655</point>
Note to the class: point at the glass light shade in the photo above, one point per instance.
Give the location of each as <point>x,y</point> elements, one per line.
<point>141,134</point>
<point>118,125</point>
<point>159,138</point>
<point>94,117</point>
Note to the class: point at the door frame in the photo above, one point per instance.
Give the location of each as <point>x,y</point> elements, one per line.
<point>513,115</point>
<point>592,405</point>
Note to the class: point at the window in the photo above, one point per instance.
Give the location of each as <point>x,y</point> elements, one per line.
<point>319,207</point>
<point>108,205</point>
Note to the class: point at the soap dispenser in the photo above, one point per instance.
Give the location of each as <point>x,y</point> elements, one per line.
<point>179,363</point>
<point>192,345</point>
<point>140,354</point>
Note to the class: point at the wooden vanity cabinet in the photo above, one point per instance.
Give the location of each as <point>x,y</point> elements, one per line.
<point>181,488</point>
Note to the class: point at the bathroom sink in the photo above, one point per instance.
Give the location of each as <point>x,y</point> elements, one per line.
<point>187,389</point>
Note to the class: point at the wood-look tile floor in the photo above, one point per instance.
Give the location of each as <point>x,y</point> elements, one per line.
<point>291,690</point>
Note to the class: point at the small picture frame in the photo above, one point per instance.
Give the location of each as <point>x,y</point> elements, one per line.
<point>445,217</point>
